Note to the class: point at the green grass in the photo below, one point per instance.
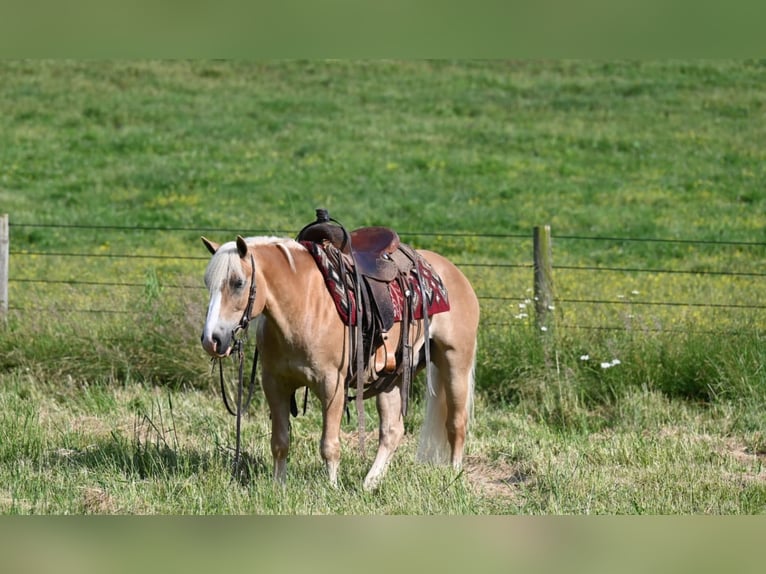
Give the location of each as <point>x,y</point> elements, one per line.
<point>77,448</point>
<point>115,411</point>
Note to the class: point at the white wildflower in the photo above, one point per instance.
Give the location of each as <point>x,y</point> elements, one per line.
<point>610,364</point>
<point>585,357</point>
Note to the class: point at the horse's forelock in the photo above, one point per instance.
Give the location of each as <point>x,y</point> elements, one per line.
<point>221,263</point>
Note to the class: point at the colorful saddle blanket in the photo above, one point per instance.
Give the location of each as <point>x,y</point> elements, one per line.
<point>328,259</point>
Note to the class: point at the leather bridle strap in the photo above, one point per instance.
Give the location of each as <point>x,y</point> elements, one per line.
<point>245,320</point>
<point>251,387</point>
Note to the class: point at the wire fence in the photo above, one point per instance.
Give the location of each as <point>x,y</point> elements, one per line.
<point>503,287</point>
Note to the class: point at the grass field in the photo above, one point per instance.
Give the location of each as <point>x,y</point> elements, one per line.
<point>116,411</point>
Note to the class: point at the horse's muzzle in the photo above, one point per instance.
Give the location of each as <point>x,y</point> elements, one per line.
<point>216,347</point>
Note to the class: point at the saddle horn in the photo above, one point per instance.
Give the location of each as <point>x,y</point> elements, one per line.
<point>325,228</point>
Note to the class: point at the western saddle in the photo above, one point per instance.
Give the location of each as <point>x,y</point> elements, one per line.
<point>372,258</point>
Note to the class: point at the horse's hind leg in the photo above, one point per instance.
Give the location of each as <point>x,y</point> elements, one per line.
<point>443,435</point>
<point>455,367</point>
<point>391,431</point>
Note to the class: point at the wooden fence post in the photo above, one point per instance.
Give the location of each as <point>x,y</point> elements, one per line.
<point>4,242</point>
<point>543,261</point>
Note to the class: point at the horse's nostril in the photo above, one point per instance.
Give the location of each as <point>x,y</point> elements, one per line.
<point>216,343</point>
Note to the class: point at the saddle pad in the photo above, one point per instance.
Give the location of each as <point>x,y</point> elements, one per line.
<point>327,259</point>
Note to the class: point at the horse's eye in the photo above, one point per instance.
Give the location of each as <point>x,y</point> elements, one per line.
<point>238,283</point>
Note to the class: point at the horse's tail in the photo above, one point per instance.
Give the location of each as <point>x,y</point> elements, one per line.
<point>434,445</point>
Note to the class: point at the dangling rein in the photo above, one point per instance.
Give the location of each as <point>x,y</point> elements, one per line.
<point>241,407</point>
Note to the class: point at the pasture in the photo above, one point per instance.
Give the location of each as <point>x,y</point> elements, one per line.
<point>646,395</point>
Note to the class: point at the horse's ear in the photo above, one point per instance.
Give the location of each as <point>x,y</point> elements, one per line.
<point>211,245</point>
<point>241,247</point>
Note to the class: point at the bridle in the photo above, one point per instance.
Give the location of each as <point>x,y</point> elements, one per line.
<point>238,346</point>
<point>245,319</point>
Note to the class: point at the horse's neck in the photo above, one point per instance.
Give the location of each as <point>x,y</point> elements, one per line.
<point>290,282</point>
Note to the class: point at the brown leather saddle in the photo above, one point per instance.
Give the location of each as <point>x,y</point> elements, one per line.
<point>378,256</point>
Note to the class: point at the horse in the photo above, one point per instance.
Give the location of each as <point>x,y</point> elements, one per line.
<point>302,342</point>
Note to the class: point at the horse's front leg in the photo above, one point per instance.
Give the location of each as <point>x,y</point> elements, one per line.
<point>391,431</point>
<point>329,445</point>
<point>279,405</point>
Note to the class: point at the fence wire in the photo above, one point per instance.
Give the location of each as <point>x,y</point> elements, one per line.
<point>486,298</point>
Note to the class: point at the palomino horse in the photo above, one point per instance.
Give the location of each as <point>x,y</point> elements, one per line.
<point>302,342</point>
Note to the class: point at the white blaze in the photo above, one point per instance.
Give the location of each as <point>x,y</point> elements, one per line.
<point>213,312</point>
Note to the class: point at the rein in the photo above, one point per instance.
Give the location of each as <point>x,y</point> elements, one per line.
<point>241,407</point>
